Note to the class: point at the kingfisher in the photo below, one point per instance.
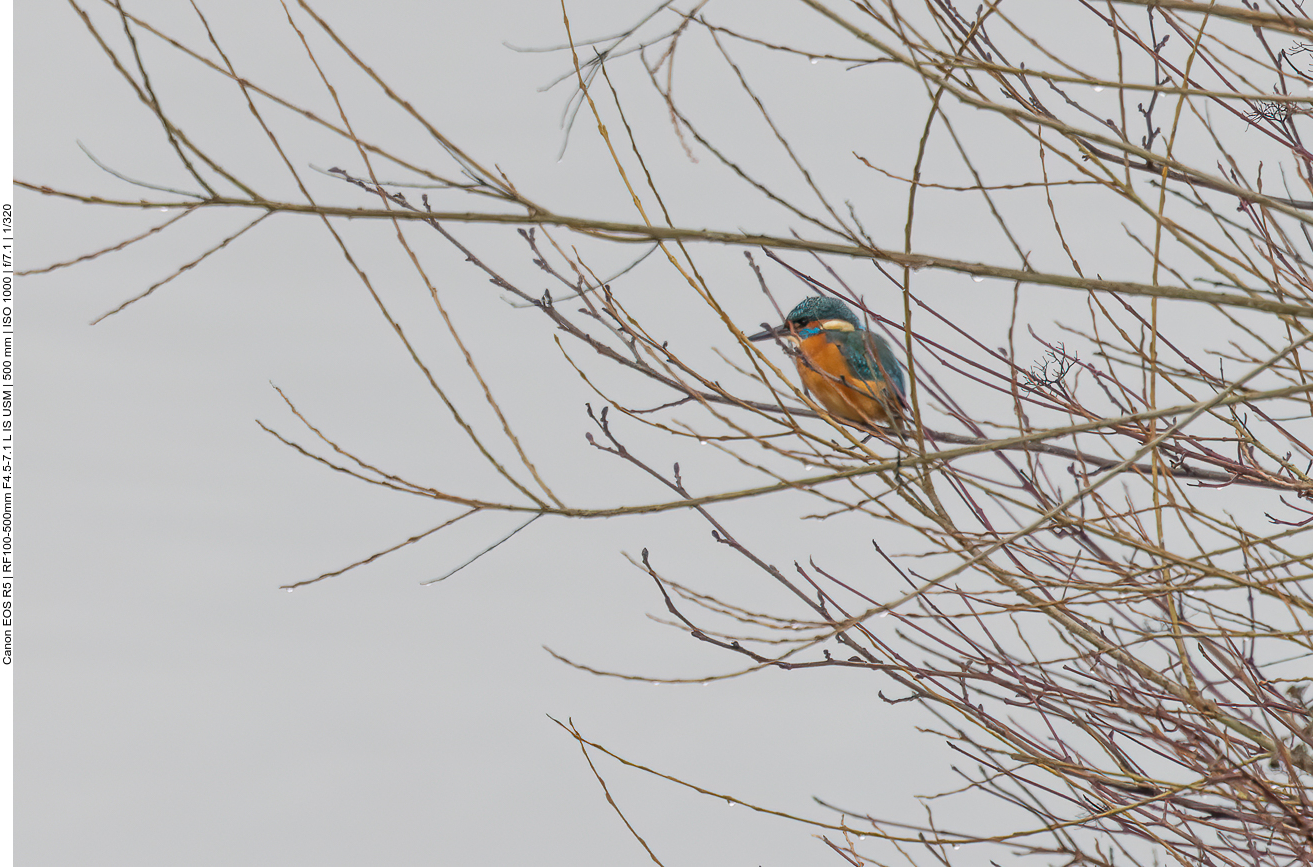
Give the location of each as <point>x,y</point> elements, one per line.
<point>852,372</point>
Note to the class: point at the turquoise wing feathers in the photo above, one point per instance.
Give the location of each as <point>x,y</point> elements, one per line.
<point>873,359</point>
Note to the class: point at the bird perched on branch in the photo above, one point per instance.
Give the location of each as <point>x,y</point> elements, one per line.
<point>851,371</point>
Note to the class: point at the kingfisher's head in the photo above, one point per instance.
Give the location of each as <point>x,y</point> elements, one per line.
<point>814,313</point>
<point>830,313</point>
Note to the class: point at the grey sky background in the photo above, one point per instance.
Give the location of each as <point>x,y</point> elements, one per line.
<point>175,707</point>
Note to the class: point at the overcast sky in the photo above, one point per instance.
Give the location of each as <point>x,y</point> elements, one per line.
<point>176,707</point>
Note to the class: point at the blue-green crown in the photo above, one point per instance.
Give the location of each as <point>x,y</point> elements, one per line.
<point>818,309</point>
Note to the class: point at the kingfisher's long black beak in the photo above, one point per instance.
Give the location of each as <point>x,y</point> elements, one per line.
<point>768,334</point>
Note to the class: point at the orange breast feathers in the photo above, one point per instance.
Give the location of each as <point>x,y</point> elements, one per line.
<point>821,365</point>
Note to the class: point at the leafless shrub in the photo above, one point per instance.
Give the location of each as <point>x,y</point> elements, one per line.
<point>1106,574</point>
